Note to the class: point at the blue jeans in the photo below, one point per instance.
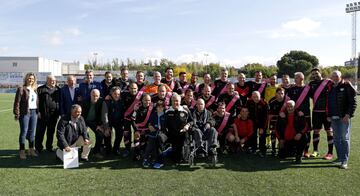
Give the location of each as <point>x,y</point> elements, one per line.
<point>27,129</point>
<point>341,139</point>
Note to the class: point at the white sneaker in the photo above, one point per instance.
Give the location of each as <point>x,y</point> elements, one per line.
<point>337,162</point>
<point>344,166</point>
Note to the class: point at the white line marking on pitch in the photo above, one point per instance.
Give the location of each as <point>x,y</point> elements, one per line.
<point>6,110</point>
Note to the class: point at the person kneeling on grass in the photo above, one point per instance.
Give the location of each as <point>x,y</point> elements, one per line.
<point>71,132</point>
<point>243,130</point>
<point>292,129</point>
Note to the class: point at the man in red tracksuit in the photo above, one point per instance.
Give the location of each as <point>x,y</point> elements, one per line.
<point>243,128</point>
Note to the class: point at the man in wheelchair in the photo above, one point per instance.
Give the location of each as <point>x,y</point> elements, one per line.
<point>203,131</point>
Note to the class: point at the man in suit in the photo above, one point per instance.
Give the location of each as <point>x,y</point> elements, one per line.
<point>68,96</point>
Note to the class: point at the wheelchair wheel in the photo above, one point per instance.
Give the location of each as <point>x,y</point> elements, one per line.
<point>214,160</point>
<point>191,160</point>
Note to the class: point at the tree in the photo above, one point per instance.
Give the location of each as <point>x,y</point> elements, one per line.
<point>296,61</point>
<point>250,69</point>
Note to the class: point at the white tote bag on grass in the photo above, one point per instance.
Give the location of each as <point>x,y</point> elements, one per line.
<point>71,159</point>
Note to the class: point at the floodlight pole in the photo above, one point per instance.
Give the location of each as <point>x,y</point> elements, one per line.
<point>353,8</point>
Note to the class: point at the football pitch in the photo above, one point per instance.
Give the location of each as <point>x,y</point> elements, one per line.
<point>239,174</point>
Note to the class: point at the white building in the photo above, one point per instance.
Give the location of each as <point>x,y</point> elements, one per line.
<point>30,64</point>
<point>72,68</point>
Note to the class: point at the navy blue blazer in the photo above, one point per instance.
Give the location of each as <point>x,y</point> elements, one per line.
<point>65,100</point>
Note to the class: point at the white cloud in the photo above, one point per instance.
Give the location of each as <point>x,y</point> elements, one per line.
<point>57,37</point>
<point>305,26</point>
<point>203,56</point>
<point>73,31</point>
<point>301,28</point>
<point>141,9</point>
<point>4,49</point>
<point>54,38</point>
<point>83,16</point>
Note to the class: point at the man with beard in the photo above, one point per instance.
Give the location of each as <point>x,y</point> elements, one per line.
<point>130,100</point>
<point>86,87</point>
<point>141,115</point>
<point>319,91</point>
<point>210,100</point>
<point>170,81</point>
<point>162,95</point>
<point>223,125</point>
<point>231,99</point>
<point>124,81</point>
<point>188,99</point>
<point>106,84</point>
<point>220,84</point>
<point>243,88</point>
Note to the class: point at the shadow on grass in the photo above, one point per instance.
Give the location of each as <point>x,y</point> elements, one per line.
<point>234,162</point>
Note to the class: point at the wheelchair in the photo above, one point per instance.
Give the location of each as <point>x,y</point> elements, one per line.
<point>190,152</point>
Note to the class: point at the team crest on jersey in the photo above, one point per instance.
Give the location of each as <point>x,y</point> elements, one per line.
<point>342,89</point>
<point>182,115</point>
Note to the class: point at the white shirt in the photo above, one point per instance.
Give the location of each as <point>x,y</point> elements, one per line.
<point>72,92</point>
<point>32,99</point>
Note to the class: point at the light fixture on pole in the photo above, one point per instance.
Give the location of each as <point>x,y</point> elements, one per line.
<point>353,8</point>
<point>95,59</point>
<point>206,55</point>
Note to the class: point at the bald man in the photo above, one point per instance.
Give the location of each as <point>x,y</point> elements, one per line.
<point>203,127</point>
<point>48,113</point>
<point>94,114</point>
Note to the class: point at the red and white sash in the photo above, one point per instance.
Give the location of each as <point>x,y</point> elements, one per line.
<point>193,103</point>
<point>131,107</point>
<point>167,98</point>
<point>211,101</point>
<point>262,87</point>
<point>184,88</point>
<point>172,84</point>
<point>212,87</point>
<point>142,124</point>
<point>232,102</point>
<point>319,90</point>
<point>223,90</point>
<point>286,99</point>
<point>224,122</point>
<point>302,96</point>
<point>197,88</point>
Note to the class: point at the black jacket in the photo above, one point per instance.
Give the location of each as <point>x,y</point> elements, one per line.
<point>100,106</point>
<point>115,112</point>
<point>66,132</point>
<point>175,120</point>
<point>343,99</point>
<point>49,99</point>
<point>201,119</point>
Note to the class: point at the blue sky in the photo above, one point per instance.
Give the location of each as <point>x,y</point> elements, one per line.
<point>232,32</point>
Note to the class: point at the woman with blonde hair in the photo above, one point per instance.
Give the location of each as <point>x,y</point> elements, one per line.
<point>25,110</point>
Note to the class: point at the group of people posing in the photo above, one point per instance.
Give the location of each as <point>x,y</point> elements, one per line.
<point>154,120</point>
